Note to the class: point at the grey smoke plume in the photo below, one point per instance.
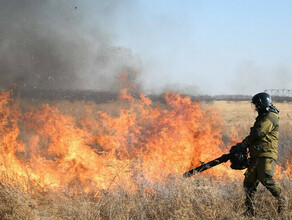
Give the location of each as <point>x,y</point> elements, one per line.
<point>52,44</point>
<point>251,78</point>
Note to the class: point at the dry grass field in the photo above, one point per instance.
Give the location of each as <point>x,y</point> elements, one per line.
<point>201,197</point>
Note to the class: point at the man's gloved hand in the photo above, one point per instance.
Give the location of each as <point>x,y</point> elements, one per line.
<point>238,147</point>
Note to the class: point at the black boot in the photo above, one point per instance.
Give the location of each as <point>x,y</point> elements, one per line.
<point>250,189</point>
<point>283,204</point>
<point>249,212</point>
<point>249,202</point>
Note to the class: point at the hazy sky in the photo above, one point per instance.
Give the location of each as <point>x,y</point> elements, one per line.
<point>207,47</point>
<point>221,47</point>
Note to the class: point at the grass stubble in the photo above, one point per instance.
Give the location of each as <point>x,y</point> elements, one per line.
<point>195,198</point>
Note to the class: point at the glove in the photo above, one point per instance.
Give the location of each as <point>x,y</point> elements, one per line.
<point>238,147</point>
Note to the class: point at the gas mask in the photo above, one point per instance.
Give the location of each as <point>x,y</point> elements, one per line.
<point>254,110</point>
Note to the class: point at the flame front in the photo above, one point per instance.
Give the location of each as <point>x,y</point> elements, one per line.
<point>57,151</point>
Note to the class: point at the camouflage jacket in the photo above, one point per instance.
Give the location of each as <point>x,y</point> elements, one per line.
<point>264,135</point>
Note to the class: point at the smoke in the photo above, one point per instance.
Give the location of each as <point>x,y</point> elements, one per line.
<point>251,78</point>
<point>50,44</point>
<point>188,89</point>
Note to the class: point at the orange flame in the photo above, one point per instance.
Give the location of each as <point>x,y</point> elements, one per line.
<point>145,142</point>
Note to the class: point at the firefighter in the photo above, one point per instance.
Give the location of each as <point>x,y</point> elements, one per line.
<point>262,143</point>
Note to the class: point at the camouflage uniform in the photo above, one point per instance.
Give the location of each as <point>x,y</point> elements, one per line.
<point>263,146</point>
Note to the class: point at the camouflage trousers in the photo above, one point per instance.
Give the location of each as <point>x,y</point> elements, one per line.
<point>260,170</point>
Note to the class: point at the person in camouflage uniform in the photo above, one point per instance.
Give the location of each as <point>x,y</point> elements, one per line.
<point>262,143</point>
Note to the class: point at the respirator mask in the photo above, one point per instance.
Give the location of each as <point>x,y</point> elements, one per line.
<point>254,110</point>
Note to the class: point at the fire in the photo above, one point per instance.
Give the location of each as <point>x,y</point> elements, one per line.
<point>288,171</point>
<point>145,142</point>
<point>281,173</point>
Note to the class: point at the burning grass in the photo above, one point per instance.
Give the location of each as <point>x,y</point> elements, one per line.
<point>124,160</point>
<point>97,150</point>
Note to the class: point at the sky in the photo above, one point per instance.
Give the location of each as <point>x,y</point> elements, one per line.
<point>192,46</point>
<point>214,47</point>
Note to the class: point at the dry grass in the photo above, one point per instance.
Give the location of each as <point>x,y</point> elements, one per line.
<point>240,115</point>
<point>194,198</point>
